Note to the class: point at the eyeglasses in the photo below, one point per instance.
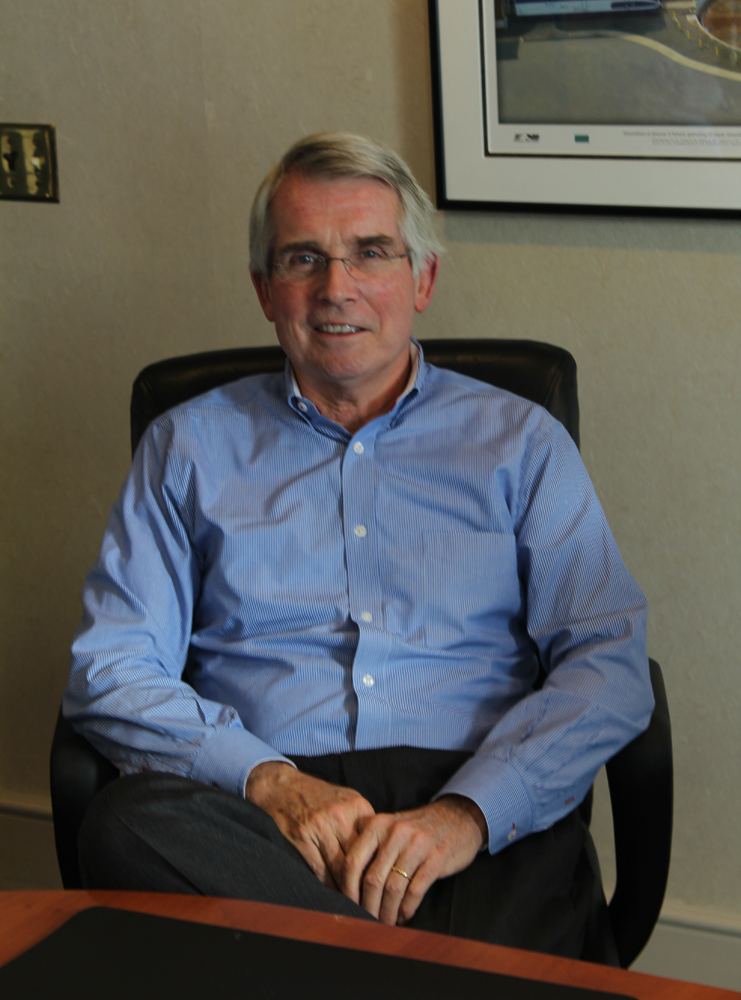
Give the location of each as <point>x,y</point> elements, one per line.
<point>304,265</point>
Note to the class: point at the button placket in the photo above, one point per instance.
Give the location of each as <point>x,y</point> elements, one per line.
<point>358,494</point>
<point>358,483</point>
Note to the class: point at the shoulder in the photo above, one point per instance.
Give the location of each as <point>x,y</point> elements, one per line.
<point>212,418</point>
<point>515,441</point>
<point>242,397</point>
<point>475,406</point>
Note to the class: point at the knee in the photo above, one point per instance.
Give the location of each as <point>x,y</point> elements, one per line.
<point>117,820</point>
<point>128,797</point>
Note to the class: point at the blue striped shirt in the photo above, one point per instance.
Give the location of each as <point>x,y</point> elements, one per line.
<point>328,592</point>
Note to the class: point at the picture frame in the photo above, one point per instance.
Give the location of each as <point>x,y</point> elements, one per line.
<point>487,158</point>
<point>28,163</point>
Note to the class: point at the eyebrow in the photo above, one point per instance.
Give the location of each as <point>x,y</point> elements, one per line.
<point>380,239</point>
<point>298,245</point>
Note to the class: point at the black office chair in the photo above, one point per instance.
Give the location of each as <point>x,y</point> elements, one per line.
<point>640,777</point>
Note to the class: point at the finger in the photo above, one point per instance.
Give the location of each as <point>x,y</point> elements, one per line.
<point>334,858</point>
<point>398,886</point>
<point>355,823</point>
<point>383,888</point>
<point>336,830</point>
<point>424,877</point>
<point>315,859</point>
<point>357,859</point>
<point>336,833</point>
<point>406,849</point>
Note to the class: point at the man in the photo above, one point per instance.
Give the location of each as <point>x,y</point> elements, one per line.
<point>359,565</point>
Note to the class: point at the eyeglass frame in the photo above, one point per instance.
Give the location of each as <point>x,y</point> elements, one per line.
<point>347,262</point>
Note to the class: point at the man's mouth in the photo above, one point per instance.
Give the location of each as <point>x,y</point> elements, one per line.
<point>337,328</point>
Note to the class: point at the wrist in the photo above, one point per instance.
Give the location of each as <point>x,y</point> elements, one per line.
<point>472,812</point>
<point>264,778</point>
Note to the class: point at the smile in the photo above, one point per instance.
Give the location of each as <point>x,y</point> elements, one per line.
<point>338,328</point>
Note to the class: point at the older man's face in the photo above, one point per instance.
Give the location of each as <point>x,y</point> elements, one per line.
<point>343,332</point>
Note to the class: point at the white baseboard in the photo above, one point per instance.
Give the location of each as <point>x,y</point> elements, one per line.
<point>697,944</point>
<point>25,804</point>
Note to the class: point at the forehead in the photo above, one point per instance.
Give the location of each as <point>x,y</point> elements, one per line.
<point>330,210</point>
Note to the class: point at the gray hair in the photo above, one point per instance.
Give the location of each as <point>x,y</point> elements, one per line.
<point>338,155</point>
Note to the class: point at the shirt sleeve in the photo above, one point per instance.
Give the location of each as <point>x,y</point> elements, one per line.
<point>587,617</point>
<point>125,692</point>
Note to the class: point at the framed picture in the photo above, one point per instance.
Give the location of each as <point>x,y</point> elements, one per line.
<point>623,104</point>
<point>28,162</point>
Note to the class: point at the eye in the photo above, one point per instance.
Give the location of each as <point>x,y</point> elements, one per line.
<point>371,253</point>
<point>304,259</point>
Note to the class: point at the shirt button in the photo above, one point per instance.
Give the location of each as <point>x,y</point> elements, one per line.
<point>361,531</point>
<point>358,448</point>
<point>303,407</point>
<point>368,681</point>
<point>367,616</point>
<point>512,833</point>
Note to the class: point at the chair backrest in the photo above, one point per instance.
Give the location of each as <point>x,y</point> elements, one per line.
<point>541,373</point>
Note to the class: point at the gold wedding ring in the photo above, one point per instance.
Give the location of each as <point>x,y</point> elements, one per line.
<point>400,872</point>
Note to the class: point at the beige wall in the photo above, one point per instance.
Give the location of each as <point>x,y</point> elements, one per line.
<point>168,112</point>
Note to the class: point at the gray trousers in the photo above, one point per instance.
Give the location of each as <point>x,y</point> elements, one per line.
<point>163,833</point>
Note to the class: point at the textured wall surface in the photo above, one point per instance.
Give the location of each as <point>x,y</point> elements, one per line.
<point>168,113</point>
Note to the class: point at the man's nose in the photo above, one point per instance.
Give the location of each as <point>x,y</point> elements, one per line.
<point>336,284</point>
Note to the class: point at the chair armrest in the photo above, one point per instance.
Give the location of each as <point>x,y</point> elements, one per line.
<point>641,780</point>
<point>77,773</point>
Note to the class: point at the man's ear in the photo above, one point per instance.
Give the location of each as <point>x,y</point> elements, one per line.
<point>262,287</point>
<point>425,283</point>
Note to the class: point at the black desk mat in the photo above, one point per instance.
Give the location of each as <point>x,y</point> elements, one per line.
<point>107,954</point>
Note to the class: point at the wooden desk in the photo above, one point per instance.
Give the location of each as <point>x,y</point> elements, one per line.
<point>27,917</point>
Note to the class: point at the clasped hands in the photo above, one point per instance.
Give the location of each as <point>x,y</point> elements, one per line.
<point>362,853</point>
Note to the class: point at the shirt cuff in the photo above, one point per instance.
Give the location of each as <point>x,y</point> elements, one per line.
<point>499,792</point>
<point>228,757</point>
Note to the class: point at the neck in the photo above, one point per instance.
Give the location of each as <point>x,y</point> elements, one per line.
<point>353,408</point>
